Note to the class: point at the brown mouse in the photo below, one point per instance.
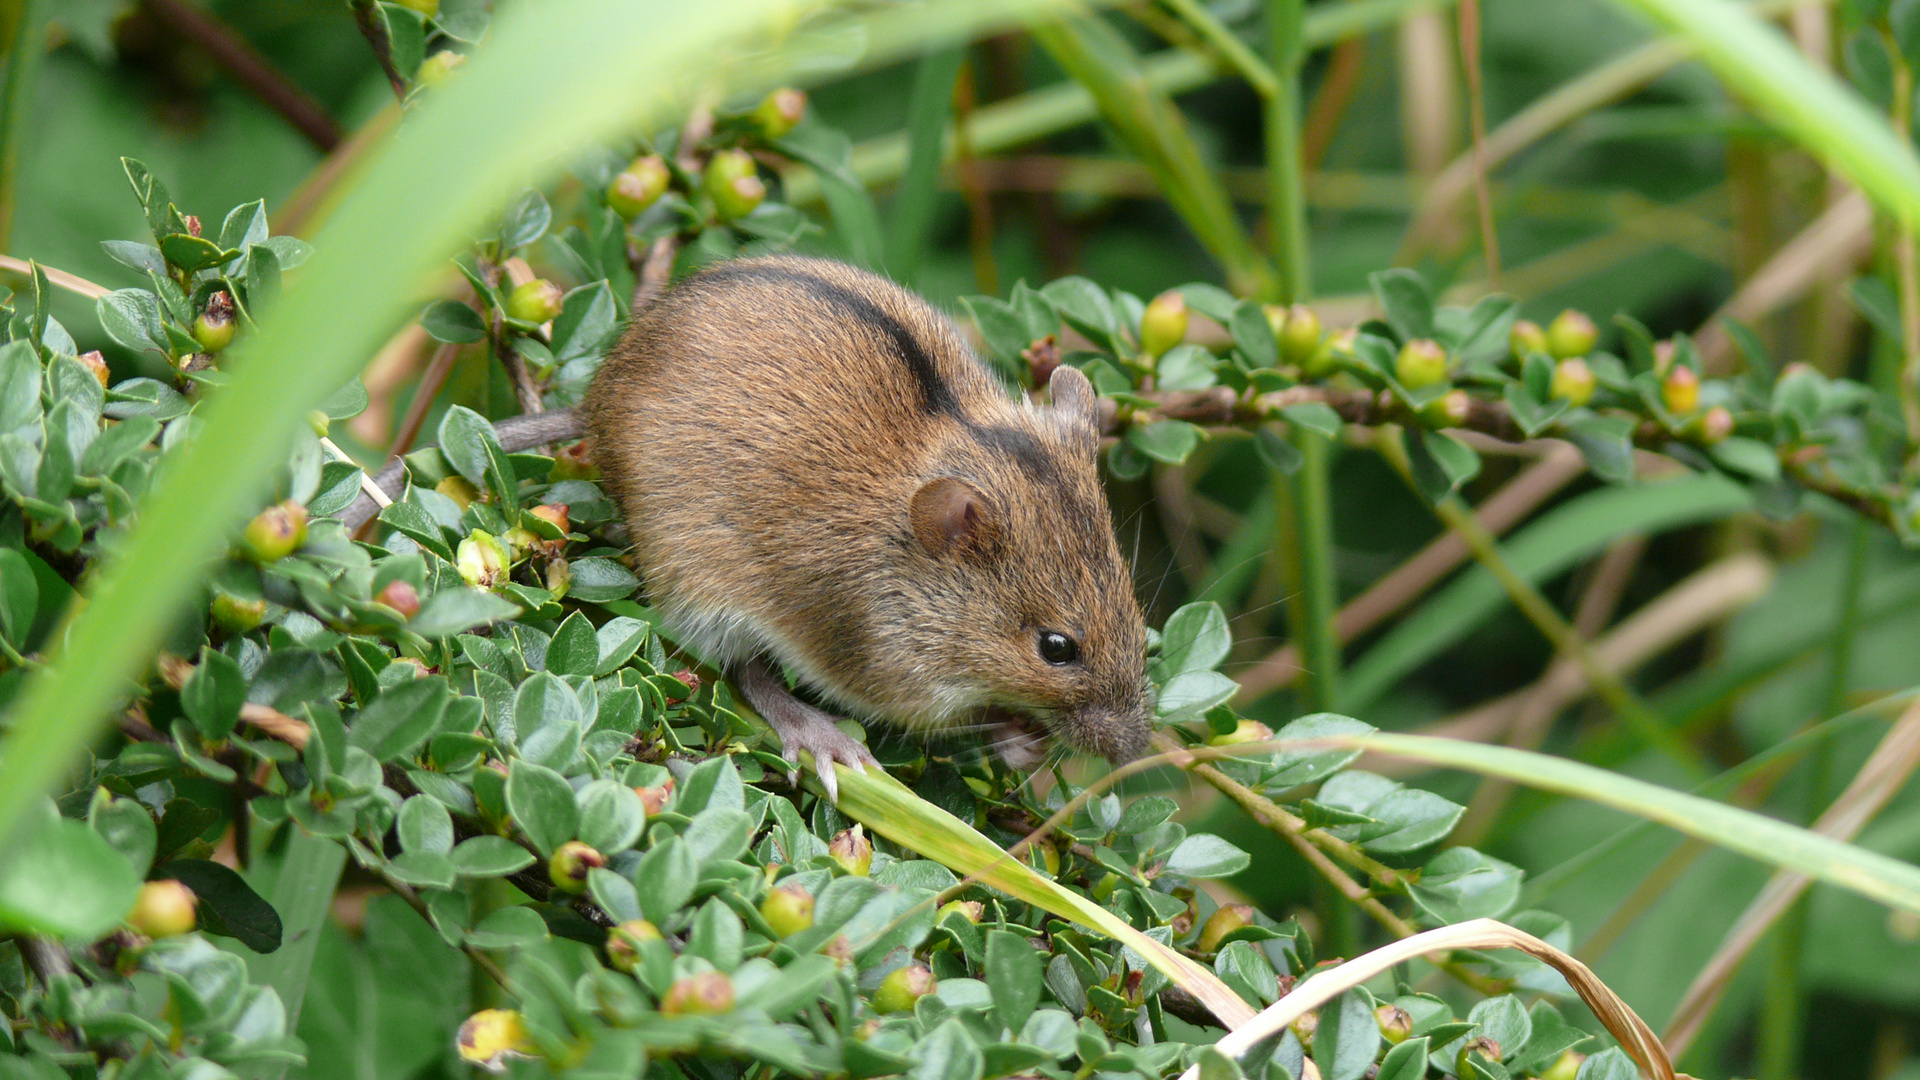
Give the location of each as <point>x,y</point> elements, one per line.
<point>818,476</point>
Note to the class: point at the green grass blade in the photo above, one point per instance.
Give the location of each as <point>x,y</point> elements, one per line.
<point>435,187</point>
<point>1552,544</point>
<point>886,806</point>
<point>1811,106</point>
<point>1146,120</point>
<point>929,111</point>
<point>299,881</point>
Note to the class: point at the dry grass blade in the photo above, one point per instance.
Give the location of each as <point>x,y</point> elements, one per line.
<point>1830,245</point>
<point>1633,1034</point>
<point>1878,781</point>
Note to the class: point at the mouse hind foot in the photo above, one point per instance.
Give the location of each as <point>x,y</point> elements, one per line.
<point>799,725</point>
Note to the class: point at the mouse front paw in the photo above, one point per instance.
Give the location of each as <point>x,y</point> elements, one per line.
<point>827,745</point>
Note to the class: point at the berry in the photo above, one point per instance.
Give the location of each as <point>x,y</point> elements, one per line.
<point>570,863</point>
<point>1571,333</point>
<point>1451,409</point>
<point>733,182</point>
<point>624,942</point>
<point>435,69</point>
<point>1421,363</point>
<point>853,851</point>
<point>1395,1023</point>
<point>1680,390</point>
<point>1164,323</point>
<point>1715,425</point>
<point>1245,731</point>
<point>481,560</point>
<point>1526,337</point>
<point>214,327</point>
<point>1573,382</point>
<point>94,362</point>
<point>277,532</point>
<point>788,909</point>
<point>1300,340</point>
<point>163,909</point>
<point>779,112</point>
<point>1226,920</point>
<point>234,615</point>
<point>639,186</point>
<point>536,301</point>
<point>706,994</point>
<point>490,1036</point>
<point>902,987</point>
<point>401,597</point>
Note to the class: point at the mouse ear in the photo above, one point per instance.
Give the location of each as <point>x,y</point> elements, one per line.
<point>1073,399</point>
<point>952,517</point>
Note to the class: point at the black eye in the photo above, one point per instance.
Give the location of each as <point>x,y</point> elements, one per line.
<point>1058,648</point>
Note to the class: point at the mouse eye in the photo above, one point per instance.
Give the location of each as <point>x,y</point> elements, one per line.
<point>1057,648</point>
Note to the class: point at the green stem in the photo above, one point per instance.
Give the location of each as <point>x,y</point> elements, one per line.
<point>1228,44</point>
<point>1286,193</point>
<point>1627,705</point>
<point>28,44</point>
<point>298,877</point>
<point>1304,544</point>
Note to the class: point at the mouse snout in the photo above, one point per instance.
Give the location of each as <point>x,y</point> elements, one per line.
<point>1116,728</point>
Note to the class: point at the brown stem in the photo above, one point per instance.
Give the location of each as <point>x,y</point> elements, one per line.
<point>431,381</point>
<point>255,72</point>
<point>367,17</point>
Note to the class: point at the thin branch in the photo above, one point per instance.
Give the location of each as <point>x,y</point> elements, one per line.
<point>366,16</point>
<point>253,71</point>
<point>1469,14</point>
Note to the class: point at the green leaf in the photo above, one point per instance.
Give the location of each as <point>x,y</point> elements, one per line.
<point>588,323</point>
<point>1606,442</point>
<point>1195,638</point>
<point>1314,416</point>
<point>489,856</point>
<point>1277,451</point>
<point>1748,457</point>
<point>513,927</point>
<point>1348,1035</point>
<point>1207,856</point>
<point>400,719</point>
<point>132,318</point>
<point>597,580</point>
<point>453,322</point>
<point>1254,334</point>
<point>62,879</point>
<point>541,802</point>
<point>1407,301</point>
<point>1504,1020</point>
<point>611,816</point>
<point>127,825</point>
<point>1409,819</point>
<point>1460,884</point>
<point>1440,463</point>
<point>1087,308</point>
<point>1013,974</point>
<point>665,879</point>
<point>406,37</point>
<point>423,824</point>
<point>575,648</point>
<point>1185,367</point>
<point>194,253</point>
<point>466,439</point>
<point>228,905</point>
<point>456,610</point>
<point>339,487</point>
<point>1291,768</point>
<point>1407,1061</point>
<point>214,693</point>
<point>20,378</point>
<point>1165,440</point>
<point>526,220</point>
<point>19,596</point>
<point>1193,692</point>
<point>1609,1064</point>
<point>947,1053</point>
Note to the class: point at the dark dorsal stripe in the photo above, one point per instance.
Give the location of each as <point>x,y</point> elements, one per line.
<point>935,395</point>
<point>1020,447</point>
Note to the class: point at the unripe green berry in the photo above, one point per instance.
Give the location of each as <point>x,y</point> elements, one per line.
<point>569,865</point>
<point>435,69</point>
<point>1245,731</point>
<point>639,186</point>
<point>1395,1023</point>
<point>1571,333</point>
<point>536,301</point>
<point>1715,425</point>
<point>853,851</point>
<point>902,987</point>
<point>1305,1027</point>
<point>163,909</point>
<point>1421,363</point>
<point>277,532</point>
<point>706,994</point>
<point>1163,324</point>
<point>1451,409</point>
<point>1526,337</point>
<point>429,8</point>
<point>779,112</point>
<point>1573,382</point>
<point>788,909</point>
<point>559,577</point>
<point>1224,921</point>
<point>625,940</point>
<point>970,910</point>
<point>402,597</point>
<point>1680,390</point>
<point>1467,1063</point>
<point>733,182</point>
<point>234,615</point>
<point>1564,1067</point>
<point>214,327</point>
<point>1301,338</point>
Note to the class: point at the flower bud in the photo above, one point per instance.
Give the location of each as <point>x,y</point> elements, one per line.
<point>788,909</point>
<point>491,1036</point>
<point>163,909</point>
<point>234,615</point>
<point>193,224</point>
<point>853,851</point>
<point>1715,425</point>
<point>481,560</point>
<point>559,577</point>
<point>624,942</point>
<point>902,987</point>
<point>535,301</point>
<point>570,863</point>
<point>1304,1028</point>
<point>970,910</point>
<point>1451,409</point>
<point>1245,731</point>
<point>1573,382</point>
<point>779,112</point>
<point>214,327</point>
<point>1224,921</point>
<point>1481,1048</point>
<point>1564,1067</point>
<point>573,463</point>
<point>277,532</point>
<point>1395,1023</point>
<point>1680,390</point>
<point>1301,338</point>
<point>435,69</point>
<point>419,666</point>
<point>1526,337</point>
<point>402,597</point>
<point>1571,333</point>
<point>689,681</point>
<point>1421,363</point>
<point>94,362</point>
<point>1164,323</point>
<point>706,994</point>
<point>639,186</point>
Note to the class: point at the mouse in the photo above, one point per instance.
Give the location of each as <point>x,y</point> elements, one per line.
<point>822,483</point>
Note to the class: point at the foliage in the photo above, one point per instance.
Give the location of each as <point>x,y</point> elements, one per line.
<point>577,841</point>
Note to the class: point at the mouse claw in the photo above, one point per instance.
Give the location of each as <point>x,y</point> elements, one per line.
<point>827,746</point>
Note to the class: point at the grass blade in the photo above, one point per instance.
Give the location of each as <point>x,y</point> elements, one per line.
<point>929,112</point>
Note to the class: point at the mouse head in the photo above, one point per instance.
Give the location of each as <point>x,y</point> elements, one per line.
<point>1037,604</point>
